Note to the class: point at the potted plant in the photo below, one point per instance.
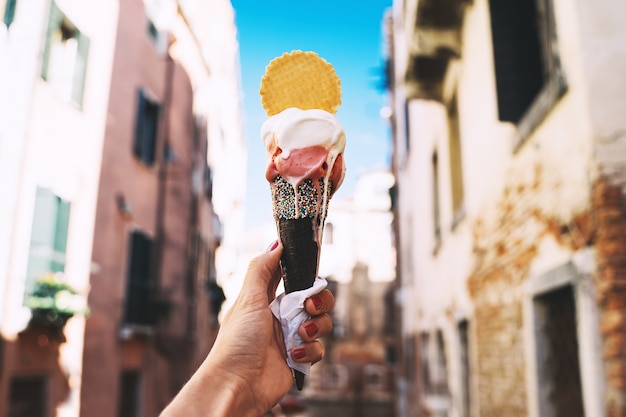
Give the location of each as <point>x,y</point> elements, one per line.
<point>53,302</point>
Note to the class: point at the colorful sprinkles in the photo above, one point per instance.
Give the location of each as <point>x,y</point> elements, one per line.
<point>309,199</point>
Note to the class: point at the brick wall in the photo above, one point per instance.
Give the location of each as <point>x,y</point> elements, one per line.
<point>504,244</point>
<point>610,220</point>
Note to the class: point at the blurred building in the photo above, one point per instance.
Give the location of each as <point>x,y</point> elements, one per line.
<point>111,212</point>
<point>510,161</point>
<point>357,258</point>
<point>56,70</point>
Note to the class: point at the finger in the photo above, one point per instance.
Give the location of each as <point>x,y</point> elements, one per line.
<point>309,352</point>
<point>263,273</point>
<point>320,303</point>
<point>315,328</point>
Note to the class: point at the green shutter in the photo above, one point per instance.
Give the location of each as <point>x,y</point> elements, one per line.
<point>48,240</point>
<point>62,222</point>
<point>80,69</point>
<point>54,24</point>
<point>9,12</point>
<point>42,236</point>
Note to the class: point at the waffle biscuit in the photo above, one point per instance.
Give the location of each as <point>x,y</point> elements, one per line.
<point>300,79</point>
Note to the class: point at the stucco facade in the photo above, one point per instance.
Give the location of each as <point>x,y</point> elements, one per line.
<point>51,142</point>
<point>498,219</point>
<point>112,115</point>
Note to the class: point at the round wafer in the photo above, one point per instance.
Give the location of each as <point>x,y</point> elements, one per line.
<point>300,79</point>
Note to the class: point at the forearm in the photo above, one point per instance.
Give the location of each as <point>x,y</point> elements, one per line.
<point>209,393</point>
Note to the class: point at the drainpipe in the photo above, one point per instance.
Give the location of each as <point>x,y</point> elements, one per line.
<point>163,151</point>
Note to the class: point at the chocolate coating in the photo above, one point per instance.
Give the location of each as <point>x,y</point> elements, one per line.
<point>299,260</point>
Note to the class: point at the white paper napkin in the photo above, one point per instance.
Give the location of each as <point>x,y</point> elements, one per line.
<point>289,310</point>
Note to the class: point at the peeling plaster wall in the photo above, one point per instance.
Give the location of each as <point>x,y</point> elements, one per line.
<point>527,211</point>
<point>534,217</point>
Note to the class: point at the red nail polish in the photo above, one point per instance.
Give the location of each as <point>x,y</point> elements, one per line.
<point>317,302</point>
<point>310,329</point>
<point>273,246</point>
<point>298,353</point>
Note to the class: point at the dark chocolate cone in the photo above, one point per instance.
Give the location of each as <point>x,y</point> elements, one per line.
<point>300,253</point>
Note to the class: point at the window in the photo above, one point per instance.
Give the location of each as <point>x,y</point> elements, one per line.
<point>440,370</point>
<point>374,377</point>
<point>329,231</point>
<point>153,31</point>
<point>28,396</point>
<point>9,11</point>
<point>463,329</point>
<point>157,13</point>
<point>129,394</point>
<point>48,239</point>
<point>558,368</point>
<point>146,128</point>
<point>435,197</point>
<point>336,376</point>
<point>424,361</point>
<point>140,284</point>
<point>434,366</point>
<point>407,127</point>
<point>528,74</point>
<point>65,57</point>
<point>208,182</point>
<point>456,162</point>
<point>410,359</point>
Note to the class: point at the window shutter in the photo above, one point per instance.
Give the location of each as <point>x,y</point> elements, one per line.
<point>42,237</point>
<point>140,258</point>
<point>456,160</point>
<point>150,132</point>
<point>436,195</point>
<point>139,123</point>
<point>80,69</point>
<point>129,402</point>
<point>517,56</point>
<point>54,23</point>
<point>43,228</point>
<point>48,240</point>
<point>139,283</point>
<point>60,235</point>
<point>28,395</point>
<point>9,12</point>
<point>144,145</point>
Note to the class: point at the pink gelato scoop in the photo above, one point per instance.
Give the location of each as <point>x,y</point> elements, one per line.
<point>305,144</point>
<point>305,163</point>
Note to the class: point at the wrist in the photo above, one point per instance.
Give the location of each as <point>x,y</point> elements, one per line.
<point>233,395</point>
<point>211,392</point>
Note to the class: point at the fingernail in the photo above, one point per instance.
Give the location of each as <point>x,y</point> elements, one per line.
<point>298,353</point>
<point>311,329</point>
<point>273,246</point>
<point>317,302</point>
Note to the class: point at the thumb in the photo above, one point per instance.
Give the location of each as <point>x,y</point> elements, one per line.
<point>263,273</point>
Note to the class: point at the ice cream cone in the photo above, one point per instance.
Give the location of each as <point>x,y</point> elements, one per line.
<point>300,213</point>
<point>304,141</point>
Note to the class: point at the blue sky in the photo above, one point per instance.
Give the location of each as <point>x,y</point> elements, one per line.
<point>348,34</point>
